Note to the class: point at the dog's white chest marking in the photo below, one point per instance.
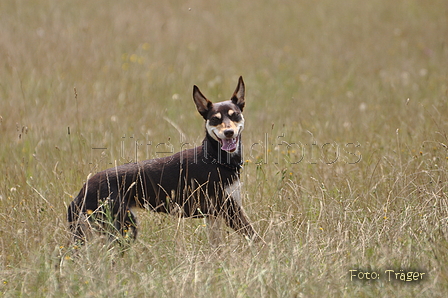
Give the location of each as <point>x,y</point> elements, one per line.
<point>233,191</point>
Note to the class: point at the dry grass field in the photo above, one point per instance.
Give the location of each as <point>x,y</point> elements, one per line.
<point>346,161</point>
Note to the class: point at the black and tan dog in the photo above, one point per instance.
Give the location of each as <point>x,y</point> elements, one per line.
<point>203,181</point>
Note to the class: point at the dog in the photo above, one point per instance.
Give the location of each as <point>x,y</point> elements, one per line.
<point>198,182</point>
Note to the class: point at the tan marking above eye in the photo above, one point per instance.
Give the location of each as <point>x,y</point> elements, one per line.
<point>230,112</point>
<point>218,115</point>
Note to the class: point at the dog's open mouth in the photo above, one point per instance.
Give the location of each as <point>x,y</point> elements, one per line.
<point>229,145</point>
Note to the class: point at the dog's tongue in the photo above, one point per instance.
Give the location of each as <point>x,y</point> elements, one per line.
<point>229,144</point>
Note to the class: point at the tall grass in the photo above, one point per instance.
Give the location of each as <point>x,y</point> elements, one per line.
<point>345,143</point>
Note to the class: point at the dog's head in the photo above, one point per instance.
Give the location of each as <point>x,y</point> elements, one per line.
<point>224,120</point>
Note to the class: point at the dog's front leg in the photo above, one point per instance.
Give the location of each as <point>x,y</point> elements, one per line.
<point>237,219</point>
<point>213,230</point>
<point>234,214</point>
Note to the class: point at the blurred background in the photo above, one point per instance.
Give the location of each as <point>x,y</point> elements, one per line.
<point>345,137</point>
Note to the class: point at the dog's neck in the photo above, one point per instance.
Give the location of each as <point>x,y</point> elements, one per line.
<point>212,151</point>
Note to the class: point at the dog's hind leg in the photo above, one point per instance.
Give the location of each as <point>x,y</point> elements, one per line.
<point>126,223</point>
<point>78,224</point>
<point>131,223</point>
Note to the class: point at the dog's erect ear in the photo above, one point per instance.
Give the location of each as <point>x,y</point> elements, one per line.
<point>202,104</point>
<point>238,95</point>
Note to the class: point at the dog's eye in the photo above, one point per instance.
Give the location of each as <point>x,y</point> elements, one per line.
<point>235,116</point>
<point>215,120</point>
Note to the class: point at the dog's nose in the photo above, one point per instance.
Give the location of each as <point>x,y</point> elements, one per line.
<point>228,133</point>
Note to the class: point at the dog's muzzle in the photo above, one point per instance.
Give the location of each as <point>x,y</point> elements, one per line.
<point>228,144</point>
